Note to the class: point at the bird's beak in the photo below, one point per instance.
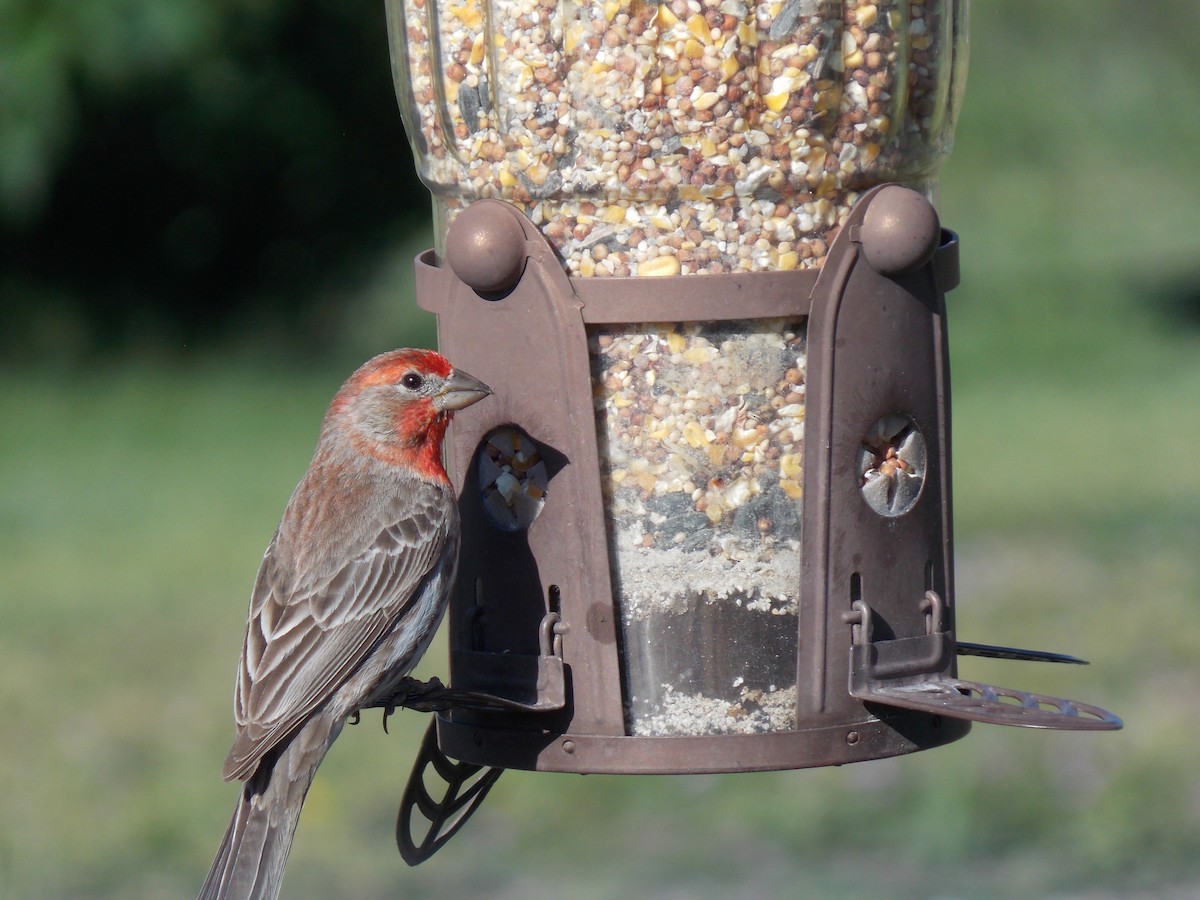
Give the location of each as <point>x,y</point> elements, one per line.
<point>459,391</point>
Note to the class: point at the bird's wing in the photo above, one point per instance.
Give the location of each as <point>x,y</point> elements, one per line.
<point>308,632</point>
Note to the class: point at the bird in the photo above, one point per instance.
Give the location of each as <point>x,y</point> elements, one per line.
<point>348,596</point>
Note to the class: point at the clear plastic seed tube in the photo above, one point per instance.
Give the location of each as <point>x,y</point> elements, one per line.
<point>684,137</point>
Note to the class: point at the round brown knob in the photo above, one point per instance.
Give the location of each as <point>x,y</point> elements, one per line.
<point>485,247</point>
<point>900,231</point>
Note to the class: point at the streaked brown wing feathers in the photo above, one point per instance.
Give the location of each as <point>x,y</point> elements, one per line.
<point>306,635</point>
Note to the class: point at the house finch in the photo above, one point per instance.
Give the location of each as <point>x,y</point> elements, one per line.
<point>348,596</point>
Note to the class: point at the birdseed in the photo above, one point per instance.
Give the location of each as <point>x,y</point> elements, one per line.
<point>701,442</point>
<point>691,136</point>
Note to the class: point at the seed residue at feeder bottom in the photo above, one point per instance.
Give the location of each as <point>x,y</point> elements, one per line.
<point>754,710</point>
<point>701,432</point>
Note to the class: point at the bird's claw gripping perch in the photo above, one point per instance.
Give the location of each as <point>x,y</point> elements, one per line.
<point>433,696</point>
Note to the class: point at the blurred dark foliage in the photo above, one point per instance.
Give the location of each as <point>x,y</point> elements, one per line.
<point>192,172</point>
<point>1178,297</point>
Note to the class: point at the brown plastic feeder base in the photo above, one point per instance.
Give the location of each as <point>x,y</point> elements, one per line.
<point>895,733</point>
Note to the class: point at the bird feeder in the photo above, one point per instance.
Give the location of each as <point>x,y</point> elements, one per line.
<point>706,514</point>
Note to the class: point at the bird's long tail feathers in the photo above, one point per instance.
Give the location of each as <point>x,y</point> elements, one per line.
<point>250,863</point>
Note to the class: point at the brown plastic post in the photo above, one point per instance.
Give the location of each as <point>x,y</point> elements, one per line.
<point>877,346</point>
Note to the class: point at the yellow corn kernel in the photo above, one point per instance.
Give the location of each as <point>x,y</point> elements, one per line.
<point>477,48</point>
<point>468,15</point>
<point>507,178</point>
<point>660,265</point>
<point>572,38</point>
<point>788,261</point>
<point>693,433</point>
<point>611,8</point>
<point>792,489</point>
<point>729,68</point>
<point>777,101</point>
<point>866,16</point>
<point>666,18</point>
<point>676,342</point>
<point>613,215</point>
<point>697,26</point>
<point>791,465</point>
<point>646,481</point>
<point>746,437</point>
<point>693,49</point>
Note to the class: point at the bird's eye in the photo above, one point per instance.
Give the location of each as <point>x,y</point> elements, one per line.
<point>412,381</point>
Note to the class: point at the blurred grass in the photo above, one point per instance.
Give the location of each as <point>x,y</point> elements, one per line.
<point>136,497</point>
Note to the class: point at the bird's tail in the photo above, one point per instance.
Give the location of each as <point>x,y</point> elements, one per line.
<point>250,863</point>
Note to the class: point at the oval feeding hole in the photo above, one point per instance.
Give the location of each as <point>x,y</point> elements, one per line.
<point>512,478</point>
<point>891,464</point>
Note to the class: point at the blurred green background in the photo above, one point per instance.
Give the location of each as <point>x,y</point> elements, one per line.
<point>207,213</point>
